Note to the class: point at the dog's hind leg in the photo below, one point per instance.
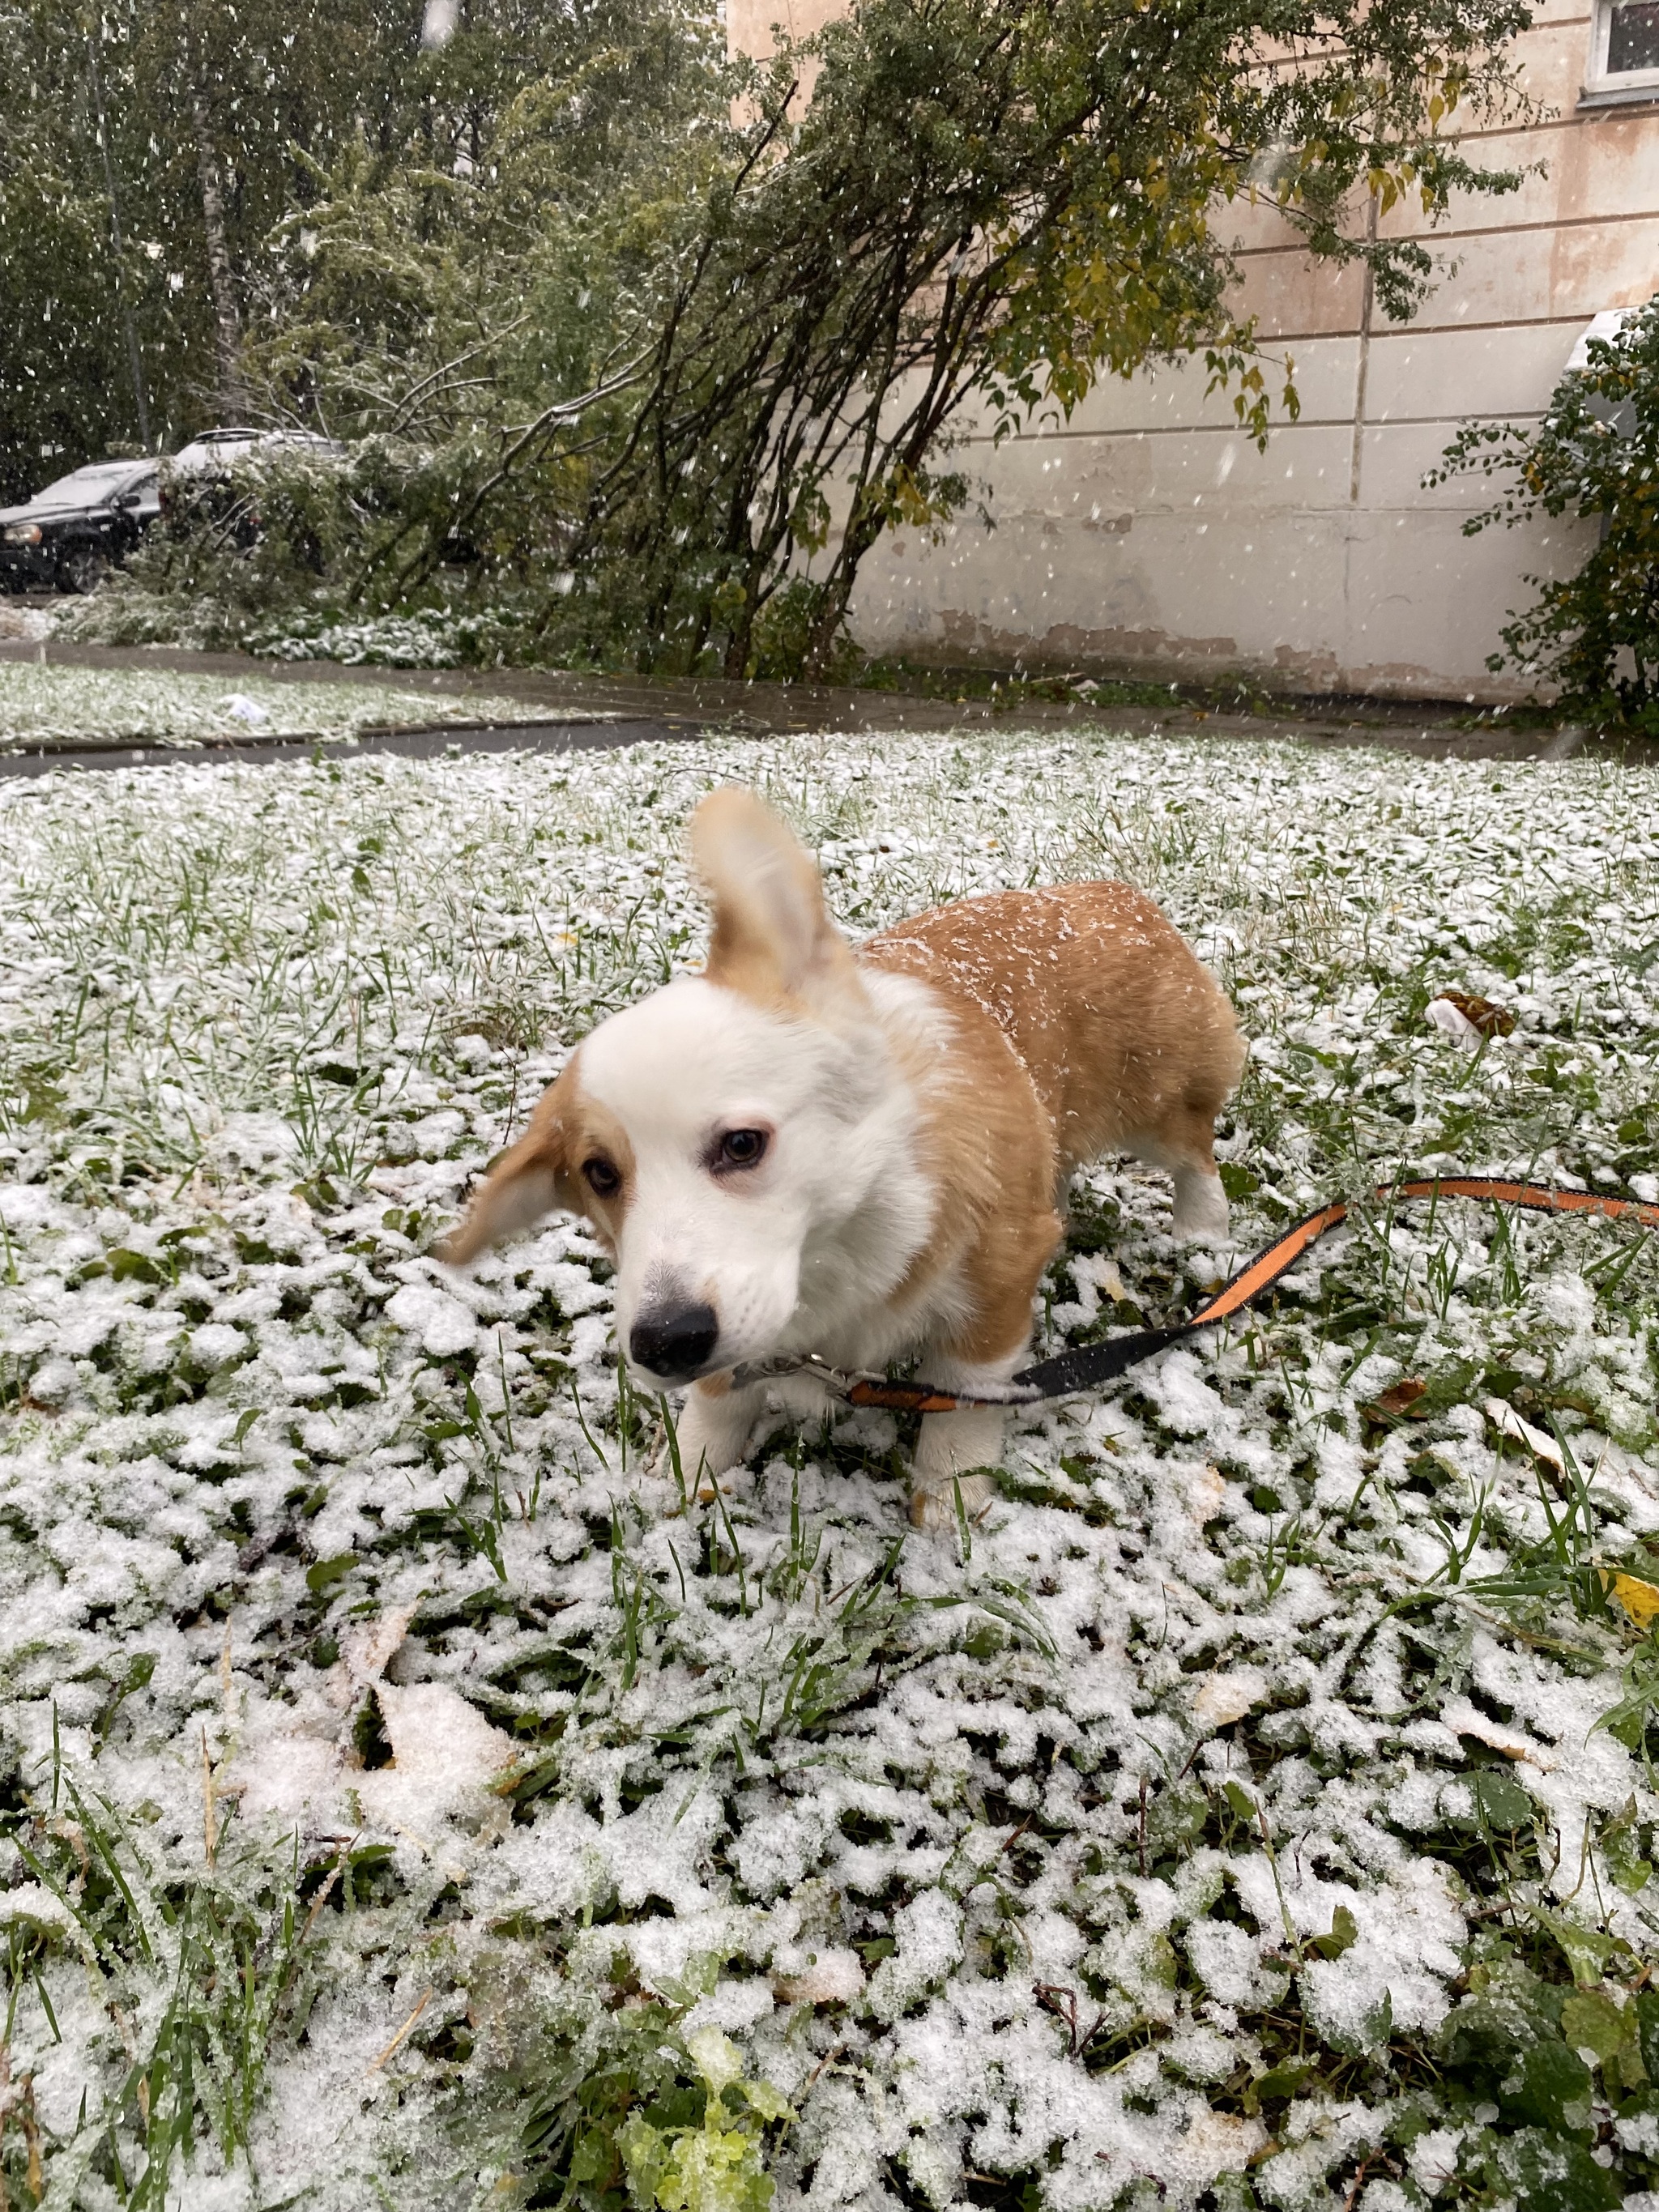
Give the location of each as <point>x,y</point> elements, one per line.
<point>1200,1204</point>
<point>1185,1147</point>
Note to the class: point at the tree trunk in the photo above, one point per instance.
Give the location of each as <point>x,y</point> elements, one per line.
<point>134,362</point>
<point>835,596</point>
<point>226,320</point>
<point>739,639</point>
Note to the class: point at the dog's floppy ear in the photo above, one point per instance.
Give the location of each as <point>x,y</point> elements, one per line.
<point>773,935</point>
<point>531,1178</point>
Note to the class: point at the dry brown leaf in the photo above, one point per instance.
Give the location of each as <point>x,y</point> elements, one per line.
<point>1397,1400</point>
<point>1480,1013</point>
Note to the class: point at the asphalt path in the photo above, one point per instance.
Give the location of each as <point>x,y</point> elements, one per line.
<point>441,741</point>
<point>632,708</point>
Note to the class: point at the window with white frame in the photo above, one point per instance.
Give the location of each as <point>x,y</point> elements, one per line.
<point>1625,47</point>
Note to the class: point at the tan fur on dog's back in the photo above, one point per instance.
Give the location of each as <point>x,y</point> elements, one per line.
<point>1126,1037</point>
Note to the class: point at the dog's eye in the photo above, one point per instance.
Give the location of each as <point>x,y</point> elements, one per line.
<point>602,1179</point>
<point>742,1148</point>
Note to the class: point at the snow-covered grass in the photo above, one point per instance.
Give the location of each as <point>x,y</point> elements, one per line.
<point>409,1795</point>
<point>52,704</point>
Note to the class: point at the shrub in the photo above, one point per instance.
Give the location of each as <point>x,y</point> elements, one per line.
<point>1593,636</point>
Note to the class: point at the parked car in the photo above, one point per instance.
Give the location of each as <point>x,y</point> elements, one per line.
<point>69,534</point>
<point>216,452</point>
<point>204,483</point>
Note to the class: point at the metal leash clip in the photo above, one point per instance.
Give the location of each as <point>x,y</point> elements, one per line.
<point>835,1379</point>
<point>864,1386</point>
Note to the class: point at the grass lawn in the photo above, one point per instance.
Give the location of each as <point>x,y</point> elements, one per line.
<point>52,704</point>
<point>408,1800</point>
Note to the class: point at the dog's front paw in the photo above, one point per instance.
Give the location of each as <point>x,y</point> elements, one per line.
<point>933,1505</point>
<point>711,1433</point>
<point>953,1452</point>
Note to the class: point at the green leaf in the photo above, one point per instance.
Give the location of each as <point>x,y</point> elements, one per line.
<point>1281,2080</point>
<point>770,2103</point>
<point>1375,2027</point>
<point>1162,1965</point>
<point>1176,1818</point>
<point>1621,1852</point>
<point>645,2159</point>
<point>1499,1799</point>
<point>1553,2089</point>
<point>1647,2030</point>
<point>716,2057</point>
<point>1590,2020</point>
<point>1345,1933</point>
<point>1585,1951</point>
<point>1240,1800</point>
<point>326,1572</point>
<point>137,1677</point>
<point>129,1266</point>
<point>696,1979</point>
<point>590,2161</point>
<point>1556,2174</point>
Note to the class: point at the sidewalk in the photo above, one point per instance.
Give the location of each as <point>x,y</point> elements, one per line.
<point>696,703</point>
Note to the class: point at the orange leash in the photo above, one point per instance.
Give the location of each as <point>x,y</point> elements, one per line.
<point>1091,1364</point>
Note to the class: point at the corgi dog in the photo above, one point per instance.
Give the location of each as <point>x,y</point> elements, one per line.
<point>862,1155</point>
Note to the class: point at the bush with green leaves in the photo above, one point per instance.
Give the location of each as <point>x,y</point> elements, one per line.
<point>273,532</point>
<point>1592,637</point>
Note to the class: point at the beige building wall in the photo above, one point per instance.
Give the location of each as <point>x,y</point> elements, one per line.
<point>749,24</point>
<point>1146,532</point>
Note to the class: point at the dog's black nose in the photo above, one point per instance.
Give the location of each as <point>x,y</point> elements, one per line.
<point>674,1341</point>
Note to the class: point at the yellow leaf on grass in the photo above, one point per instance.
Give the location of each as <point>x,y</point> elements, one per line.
<point>1640,1600</point>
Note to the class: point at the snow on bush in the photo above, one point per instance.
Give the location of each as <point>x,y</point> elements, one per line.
<point>413,1797</point>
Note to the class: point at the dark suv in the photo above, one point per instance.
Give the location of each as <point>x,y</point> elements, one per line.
<point>69,534</point>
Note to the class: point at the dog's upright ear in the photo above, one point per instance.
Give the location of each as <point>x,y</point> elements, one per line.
<point>773,937</point>
<point>531,1178</point>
